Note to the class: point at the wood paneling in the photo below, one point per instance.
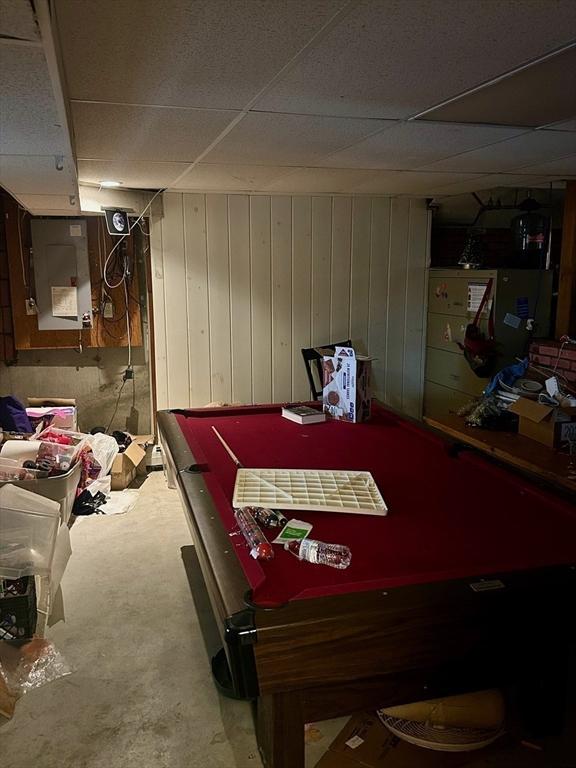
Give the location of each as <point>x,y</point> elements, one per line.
<point>158,304</point>
<point>194,209</point>
<point>566,312</point>
<point>104,332</point>
<point>240,321</point>
<point>267,275</point>
<point>360,273</point>
<point>321,268</point>
<point>379,272</point>
<point>261,309</point>
<point>340,268</point>
<point>175,298</point>
<point>7,348</point>
<point>281,298</point>
<point>397,283</point>
<point>219,297</point>
<point>415,311</point>
<point>301,292</point>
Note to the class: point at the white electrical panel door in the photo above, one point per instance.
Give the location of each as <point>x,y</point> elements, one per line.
<point>61,273</point>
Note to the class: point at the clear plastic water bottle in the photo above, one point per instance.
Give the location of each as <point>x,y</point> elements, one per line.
<point>334,555</point>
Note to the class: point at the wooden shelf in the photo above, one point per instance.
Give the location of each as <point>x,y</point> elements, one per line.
<point>520,452</point>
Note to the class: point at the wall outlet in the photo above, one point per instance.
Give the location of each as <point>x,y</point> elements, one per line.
<point>31,308</point>
<point>108,310</point>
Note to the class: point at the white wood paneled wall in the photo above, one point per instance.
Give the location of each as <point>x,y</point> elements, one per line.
<point>242,282</point>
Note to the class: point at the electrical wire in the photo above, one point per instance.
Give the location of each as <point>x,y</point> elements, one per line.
<point>560,350</point>
<point>121,239</point>
<point>120,277</point>
<point>116,406</point>
<point>128,329</point>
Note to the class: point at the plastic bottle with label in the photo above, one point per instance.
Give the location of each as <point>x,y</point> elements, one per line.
<point>334,555</point>
<point>260,547</point>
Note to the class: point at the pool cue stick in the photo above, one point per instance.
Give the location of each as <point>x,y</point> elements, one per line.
<point>229,450</point>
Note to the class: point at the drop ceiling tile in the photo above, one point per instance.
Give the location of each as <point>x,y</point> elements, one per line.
<point>511,100</point>
<point>528,149</point>
<point>408,182</point>
<point>563,167</point>
<point>134,174</point>
<point>489,182</point>
<point>272,139</point>
<point>29,122</point>
<point>209,53</point>
<point>409,145</point>
<point>37,175</point>
<point>119,132</point>
<point>319,180</point>
<point>520,180</point>
<point>17,20</point>
<point>230,178</point>
<point>393,59</point>
<point>50,204</point>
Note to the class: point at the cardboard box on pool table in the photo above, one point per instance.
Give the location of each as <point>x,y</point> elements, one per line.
<point>346,391</point>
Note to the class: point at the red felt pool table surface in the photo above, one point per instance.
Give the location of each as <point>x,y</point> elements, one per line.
<point>449,516</point>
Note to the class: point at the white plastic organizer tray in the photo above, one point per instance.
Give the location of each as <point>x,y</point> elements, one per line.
<point>322,490</point>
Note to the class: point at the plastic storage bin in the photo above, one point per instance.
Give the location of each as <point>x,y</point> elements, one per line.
<point>47,587</point>
<point>28,526</point>
<point>61,488</point>
<point>11,470</point>
<point>54,435</point>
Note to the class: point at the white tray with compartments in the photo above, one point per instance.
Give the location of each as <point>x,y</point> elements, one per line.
<point>321,490</point>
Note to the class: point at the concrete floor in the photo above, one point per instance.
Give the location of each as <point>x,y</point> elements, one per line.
<point>141,694</point>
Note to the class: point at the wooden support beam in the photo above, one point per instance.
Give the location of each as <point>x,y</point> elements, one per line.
<point>566,311</point>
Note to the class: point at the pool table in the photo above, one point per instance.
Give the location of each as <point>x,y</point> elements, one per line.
<point>468,582</point>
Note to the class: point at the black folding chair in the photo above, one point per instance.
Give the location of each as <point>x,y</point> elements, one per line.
<point>313,360</point>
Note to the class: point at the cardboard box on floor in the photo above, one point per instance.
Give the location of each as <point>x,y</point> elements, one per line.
<point>544,423</point>
<point>125,465</point>
<point>365,743</point>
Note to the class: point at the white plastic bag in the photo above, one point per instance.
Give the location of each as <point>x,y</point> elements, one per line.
<point>28,666</point>
<point>104,447</point>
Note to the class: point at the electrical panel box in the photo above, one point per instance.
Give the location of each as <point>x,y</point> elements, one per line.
<point>61,273</point>
<point>521,305</point>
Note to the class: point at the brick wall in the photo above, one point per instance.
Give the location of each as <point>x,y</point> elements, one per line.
<point>548,355</point>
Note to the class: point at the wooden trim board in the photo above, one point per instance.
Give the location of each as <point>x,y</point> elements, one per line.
<point>520,452</point>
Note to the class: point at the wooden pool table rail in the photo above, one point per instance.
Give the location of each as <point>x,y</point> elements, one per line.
<point>515,450</point>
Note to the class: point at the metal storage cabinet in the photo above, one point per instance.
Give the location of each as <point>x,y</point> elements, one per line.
<point>518,295</point>
<point>442,400</point>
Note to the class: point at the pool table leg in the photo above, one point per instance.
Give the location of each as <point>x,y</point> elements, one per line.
<point>280,730</point>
